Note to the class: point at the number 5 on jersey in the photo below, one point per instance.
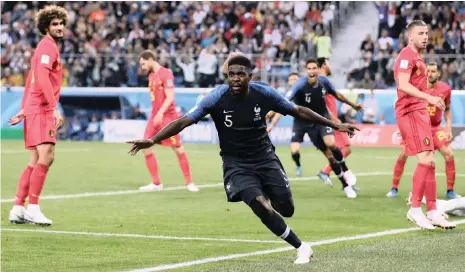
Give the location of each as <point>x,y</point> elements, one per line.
<point>227,120</point>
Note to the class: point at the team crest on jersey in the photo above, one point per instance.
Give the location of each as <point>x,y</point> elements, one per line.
<point>427,141</point>
<point>257,111</point>
<point>51,133</point>
<point>308,97</point>
<point>323,91</point>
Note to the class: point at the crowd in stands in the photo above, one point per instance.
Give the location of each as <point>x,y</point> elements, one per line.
<point>373,68</point>
<point>103,39</point>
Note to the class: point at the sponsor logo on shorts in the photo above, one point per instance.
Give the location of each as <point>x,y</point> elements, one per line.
<point>51,133</point>
<point>427,141</point>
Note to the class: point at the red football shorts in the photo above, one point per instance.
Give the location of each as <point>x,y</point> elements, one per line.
<point>415,129</point>
<point>38,129</point>
<point>342,139</point>
<point>439,138</point>
<point>151,131</point>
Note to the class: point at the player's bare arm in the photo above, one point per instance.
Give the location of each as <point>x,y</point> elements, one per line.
<point>17,118</point>
<point>405,86</point>
<point>274,121</point>
<point>308,114</point>
<point>339,96</point>
<point>448,117</point>
<point>169,99</point>
<point>170,130</point>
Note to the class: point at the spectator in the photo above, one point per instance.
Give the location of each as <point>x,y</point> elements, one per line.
<point>187,64</point>
<point>93,129</point>
<point>207,68</point>
<point>370,109</point>
<point>385,40</point>
<point>324,46</point>
<point>137,114</point>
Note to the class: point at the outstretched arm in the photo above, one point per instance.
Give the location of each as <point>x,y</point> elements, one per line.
<point>308,114</point>
<point>170,130</point>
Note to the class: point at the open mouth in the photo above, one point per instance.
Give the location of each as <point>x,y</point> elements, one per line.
<point>236,87</point>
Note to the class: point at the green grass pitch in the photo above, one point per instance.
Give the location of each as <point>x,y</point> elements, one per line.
<point>75,241</point>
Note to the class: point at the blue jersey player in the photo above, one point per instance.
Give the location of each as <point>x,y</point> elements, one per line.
<point>252,172</point>
<point>310,92</point>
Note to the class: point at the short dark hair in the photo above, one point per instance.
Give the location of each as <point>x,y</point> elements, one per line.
<point>311,61</point>
<point>415,23</point>
<point>147,54</point>
<point>293,74</point>
<point>434,64</point>
<point>320,62</point>
<point>45,16</point>
<point>240,60</point>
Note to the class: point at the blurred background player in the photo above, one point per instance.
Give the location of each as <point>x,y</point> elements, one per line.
<point>415,125</point>
<point>40,114</point>
<point>441,137</point>
<point>310,92</point>
<point>161,88</point>
<point>342,139</point>
<point>252,171</point>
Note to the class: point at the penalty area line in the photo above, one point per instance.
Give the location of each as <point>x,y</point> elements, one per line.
<point>281,249</point>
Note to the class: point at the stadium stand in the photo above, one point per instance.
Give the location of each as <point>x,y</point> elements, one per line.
<point>101,45</point>
<point>372,69</point>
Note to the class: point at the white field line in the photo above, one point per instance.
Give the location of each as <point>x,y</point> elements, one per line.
<point>128,235</point>
<point>178,188</point>
<point>174,188</point>
<point>281,249</point>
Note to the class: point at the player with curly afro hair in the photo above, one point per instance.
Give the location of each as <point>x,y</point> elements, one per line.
<point>48,18</point>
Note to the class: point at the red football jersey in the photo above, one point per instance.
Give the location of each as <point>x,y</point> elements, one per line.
<point>46,56</point>
<point>159,82</point>
<point>410,62</point>
<point>331,104</point>
<point>442,90</point>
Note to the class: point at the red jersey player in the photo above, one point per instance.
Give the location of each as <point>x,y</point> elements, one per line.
<point>161,88</point>
<point>415,125</point>
<point>40,114</point>
<point>441,138</point>
<point>342,139</point>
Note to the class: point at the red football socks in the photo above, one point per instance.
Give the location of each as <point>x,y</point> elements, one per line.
<point>23,186</point>
<point>398,171</point>
<point>450,174</point>
<point>152,165</point>
<point>37,181</point>
<point>345,152</point>
<point>431,192</point>
<point>419,183</point>
<point>185,168</point>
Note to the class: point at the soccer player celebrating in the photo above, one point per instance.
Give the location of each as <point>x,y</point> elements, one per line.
<point>252,171</point>
<point>310,92</point>
<point>161,88</point>
<point>342,139</point>
<point>41,116</point>
<point>415,125</point>
<point>441,138</point>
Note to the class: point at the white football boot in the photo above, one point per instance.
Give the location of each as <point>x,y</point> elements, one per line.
<point>417,216</point>
<point>350,178</point>
<point>350,192</point>
<point>304,254</point>
<point>17,214</point>
<point>151,187</point>
<point>437,219</point>
<point>191,187</point>
<point>34,215</point>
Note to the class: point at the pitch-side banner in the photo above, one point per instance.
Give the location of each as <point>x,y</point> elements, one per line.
<point>120,131</point>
